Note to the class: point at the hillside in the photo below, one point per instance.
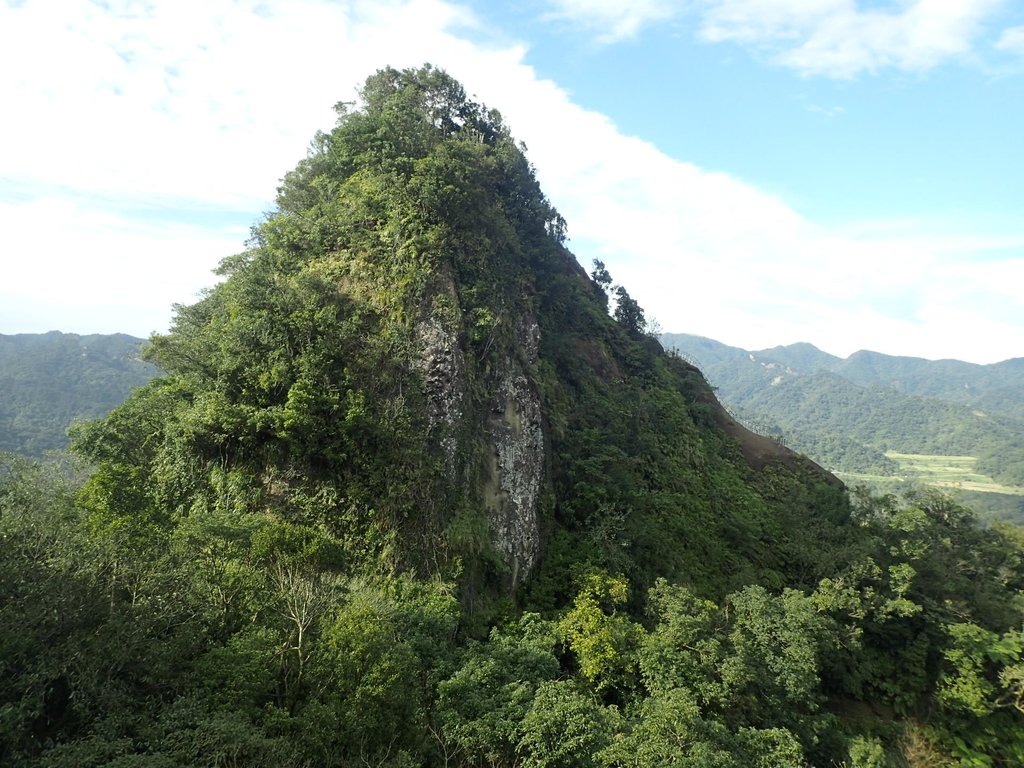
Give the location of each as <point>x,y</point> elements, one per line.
<point>414,489</point>
<point>848,413</point>
<point>51,380</point>
<point>996,387</point>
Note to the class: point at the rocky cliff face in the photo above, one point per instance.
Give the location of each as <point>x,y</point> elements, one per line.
<point>443,368</point>
<point>514,459</point>
<point>512,490</point>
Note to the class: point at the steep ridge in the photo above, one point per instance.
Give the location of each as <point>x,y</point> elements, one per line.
<point>409,357</point>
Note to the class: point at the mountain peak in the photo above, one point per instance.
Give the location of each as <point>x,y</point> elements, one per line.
<point>407,488</point>
<point>409,358</point>
<point>801,356</point>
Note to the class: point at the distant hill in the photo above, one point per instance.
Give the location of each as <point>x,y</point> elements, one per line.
<point>802,356</point>
<point>998,387</point>
<point>848,414</point>
<point>50,380</point>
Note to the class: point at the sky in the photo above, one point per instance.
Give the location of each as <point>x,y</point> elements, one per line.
<point>848,173</point>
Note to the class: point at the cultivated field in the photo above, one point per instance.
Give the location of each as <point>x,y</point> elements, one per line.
<point>940,471</point>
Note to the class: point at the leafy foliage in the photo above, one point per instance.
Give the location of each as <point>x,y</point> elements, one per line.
<point>236,638</point>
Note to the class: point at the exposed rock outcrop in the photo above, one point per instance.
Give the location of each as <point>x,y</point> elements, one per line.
<point>516,472</point>
<point>443,367</point>
<point>515,461</point>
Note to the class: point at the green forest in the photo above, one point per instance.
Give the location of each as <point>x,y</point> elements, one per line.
<point>415,489</point>
<point>856,415</point>
<point>51,380</point>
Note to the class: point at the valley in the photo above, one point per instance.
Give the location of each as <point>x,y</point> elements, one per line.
<point>892,424</point>
<point>952,472</point>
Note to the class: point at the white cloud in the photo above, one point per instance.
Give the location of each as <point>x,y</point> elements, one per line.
<point>848,41</point>
<point>207,104</point>
<point>158,99</point>
<point>834,38</point>
<point>828,112</point>
<point>66,261</point>
<point>615,20</point>
<point>1011,40</point>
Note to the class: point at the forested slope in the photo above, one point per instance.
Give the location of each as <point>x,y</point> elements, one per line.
<point>416,490</point>
<point>51,380</point>
<point>847,412</point>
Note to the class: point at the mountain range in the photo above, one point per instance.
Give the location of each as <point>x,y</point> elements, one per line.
<point>845,413</point>
<point>858,415</point>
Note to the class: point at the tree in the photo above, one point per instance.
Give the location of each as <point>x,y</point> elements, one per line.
<point>602,638</point>
<point>628,312</point>
<point>565,728</point>
<point>482,705</point>
<point>599,274</point>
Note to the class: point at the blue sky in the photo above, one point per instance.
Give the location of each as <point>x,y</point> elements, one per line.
<point>759,171</point>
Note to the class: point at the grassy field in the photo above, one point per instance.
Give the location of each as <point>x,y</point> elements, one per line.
<point>957,472</point>
<point>949,472</point>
